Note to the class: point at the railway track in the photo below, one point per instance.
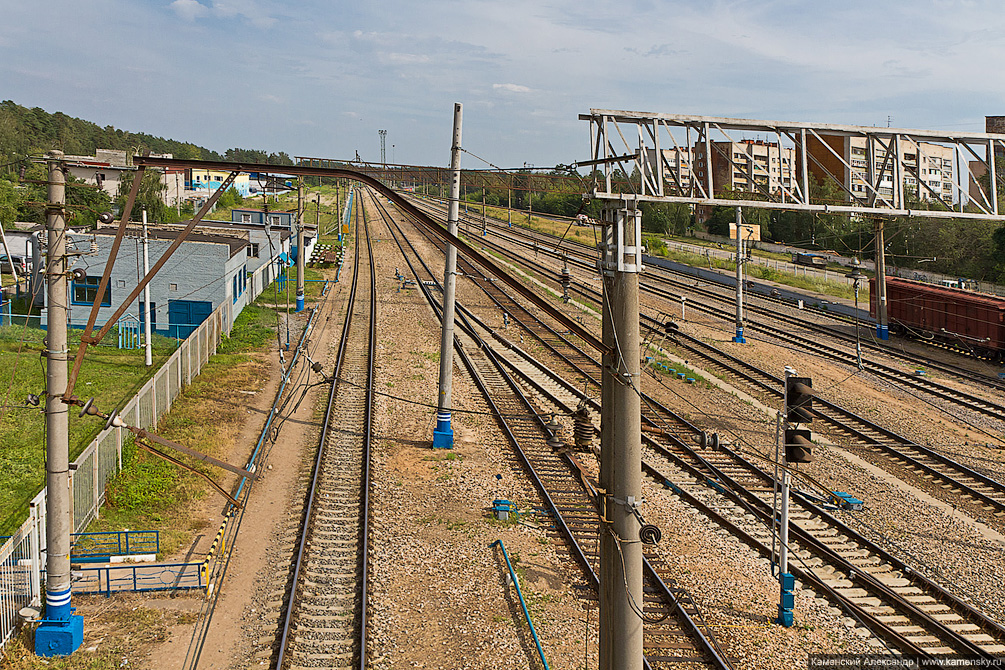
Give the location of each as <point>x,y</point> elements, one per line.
<point>325,618</point>
<point>675,634</point>
<point>907,609</point>
<point>970,485</point>
<point>584,258</point>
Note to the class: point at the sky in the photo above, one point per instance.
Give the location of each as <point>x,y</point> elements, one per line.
<point>320,78</point>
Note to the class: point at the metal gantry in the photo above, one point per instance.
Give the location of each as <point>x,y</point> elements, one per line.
<point>709,160</point>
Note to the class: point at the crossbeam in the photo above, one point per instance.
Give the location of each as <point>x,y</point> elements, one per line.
<point>710,160</point>
<point>414,212</point>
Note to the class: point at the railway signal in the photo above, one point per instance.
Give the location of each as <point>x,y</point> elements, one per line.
<point>798,399</point>
<point>798,448</point>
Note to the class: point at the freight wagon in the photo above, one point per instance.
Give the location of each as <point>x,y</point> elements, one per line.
<point>973,322</point>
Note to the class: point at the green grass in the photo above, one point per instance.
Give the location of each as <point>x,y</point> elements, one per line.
<point>272,295</point>
<point>153,494</point>
<point>581,234</point>
<point>255,326</point>
<point>110,375</point>
<point>754,271</point>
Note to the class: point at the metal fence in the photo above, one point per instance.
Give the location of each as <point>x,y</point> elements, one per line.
<point>22,557</point>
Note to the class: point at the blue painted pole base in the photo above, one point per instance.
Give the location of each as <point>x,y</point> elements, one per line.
<point>59,638</point>
<point>300,302</point>
<point>883,332</point>
<point>787,600</point>
<point>738,338</point>
<point>785,617</point>
<point>443,434</point>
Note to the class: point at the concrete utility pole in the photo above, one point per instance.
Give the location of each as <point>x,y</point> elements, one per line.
<point>147,344</point>
<point>739,277</point>
<point>61,632</point>
<point>882,321</point>
<point>301,255</point>
<point>621,445</point>
<point>443,434</point>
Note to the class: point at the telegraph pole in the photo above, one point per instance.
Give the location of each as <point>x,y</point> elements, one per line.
<point>301,255</point>
<point>882,321</point>
<point>61,632</point>
<point>739,278</point>
<point>621,597</point>
<point>147,344</point>
<point>443,434</point>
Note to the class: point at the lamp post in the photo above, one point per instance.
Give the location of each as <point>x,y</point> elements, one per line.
<point>856,276</point>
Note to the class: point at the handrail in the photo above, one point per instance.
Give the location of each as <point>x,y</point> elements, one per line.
<point>523,604</point>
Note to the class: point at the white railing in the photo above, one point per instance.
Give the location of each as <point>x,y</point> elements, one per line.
<point>22,557</point>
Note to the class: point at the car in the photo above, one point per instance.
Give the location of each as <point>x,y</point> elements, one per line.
<point>20,264</point>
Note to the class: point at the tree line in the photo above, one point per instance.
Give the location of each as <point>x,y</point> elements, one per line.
<point>27,133</point>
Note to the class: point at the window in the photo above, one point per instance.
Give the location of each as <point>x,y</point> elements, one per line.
<point>245,218</point>
<point>235,289</point>
<point>253,250</point>
<point>84,292</point>
<point>173,287</point>
<point>274,220</point>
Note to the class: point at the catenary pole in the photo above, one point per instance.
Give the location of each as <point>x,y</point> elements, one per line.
<point>148,355</point>
<point>61,632</point>
<point>882,322</point>
<point>739,277</point>
<point>443,434</point>
<point>301,255</point>
<point>621,596</point>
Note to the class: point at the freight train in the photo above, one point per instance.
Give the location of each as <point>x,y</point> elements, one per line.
<point>972,322</point>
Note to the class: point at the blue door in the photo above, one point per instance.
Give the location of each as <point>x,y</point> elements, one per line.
<point>184,316</point>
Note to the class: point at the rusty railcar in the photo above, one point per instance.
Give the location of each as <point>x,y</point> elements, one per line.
<point>974,322</point>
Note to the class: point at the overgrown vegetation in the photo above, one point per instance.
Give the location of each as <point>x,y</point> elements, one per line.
<point>152,494</point>
<point>110,375</point>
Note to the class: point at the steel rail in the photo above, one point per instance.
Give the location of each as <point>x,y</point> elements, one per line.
<point>710,647</point>
<point>949,369</point>
<point>402,203</point>
<point>832,411</point>
<point>319,458</point>
<point>705,471</point>
<point>754,377</point>
<point>959,640</point>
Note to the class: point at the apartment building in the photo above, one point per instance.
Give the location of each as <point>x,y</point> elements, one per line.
<point>676,168</point>
<point>926,170</point>
<point>752,166</point>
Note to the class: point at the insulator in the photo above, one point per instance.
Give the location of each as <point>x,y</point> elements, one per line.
<point>553,425</point>
<point>556,444</point>
<point>650,534</point>
<point>583,429</point>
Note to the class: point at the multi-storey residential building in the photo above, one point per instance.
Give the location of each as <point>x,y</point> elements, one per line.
<point>926,170</point>
<point>752,166</point>
<point>677,167</point>
<point>992,124</point>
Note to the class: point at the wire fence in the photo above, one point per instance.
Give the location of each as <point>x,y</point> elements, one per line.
<point>22,556</point>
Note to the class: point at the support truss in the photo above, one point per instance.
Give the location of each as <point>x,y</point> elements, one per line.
<point>705,160</point>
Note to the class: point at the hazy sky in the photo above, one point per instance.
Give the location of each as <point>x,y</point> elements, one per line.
<point>319,78</point>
